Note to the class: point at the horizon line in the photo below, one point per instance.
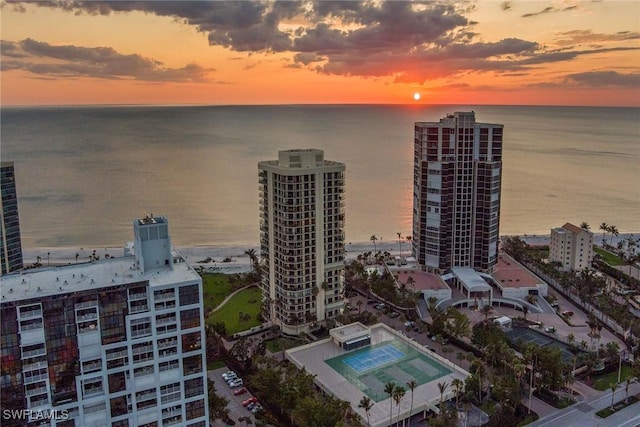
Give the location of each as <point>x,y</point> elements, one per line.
<point>405,104</point>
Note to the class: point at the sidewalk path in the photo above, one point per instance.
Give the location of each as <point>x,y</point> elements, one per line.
<point>583,414</point>
<point>539,406</point>
<point>231,295</point>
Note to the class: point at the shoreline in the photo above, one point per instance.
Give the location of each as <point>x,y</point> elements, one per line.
<point>196,255</point>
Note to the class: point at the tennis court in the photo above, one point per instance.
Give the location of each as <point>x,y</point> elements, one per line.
<point>526,335</point>
<point>372,367</point>
<point>373,358</point>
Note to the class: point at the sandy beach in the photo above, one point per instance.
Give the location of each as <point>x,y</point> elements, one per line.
<point>211,258</point>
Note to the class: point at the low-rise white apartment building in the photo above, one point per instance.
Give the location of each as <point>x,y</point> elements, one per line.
<point>572,247</point>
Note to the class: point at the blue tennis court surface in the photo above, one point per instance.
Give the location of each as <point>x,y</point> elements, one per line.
<point>371,368</point>
<point>373,358</point>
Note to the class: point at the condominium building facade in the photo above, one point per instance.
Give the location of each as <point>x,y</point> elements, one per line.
<point>11,249</point>
<point>302,238</point>
<point>456,193</point>
<point>116,342</point>
<point>571,247</point>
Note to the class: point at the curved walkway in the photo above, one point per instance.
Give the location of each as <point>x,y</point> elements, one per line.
<point>231,295</point>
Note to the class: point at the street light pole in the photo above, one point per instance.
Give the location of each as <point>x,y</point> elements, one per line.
<point>531,386</point>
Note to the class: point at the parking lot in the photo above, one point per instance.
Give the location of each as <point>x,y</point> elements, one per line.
<point>236,410</point>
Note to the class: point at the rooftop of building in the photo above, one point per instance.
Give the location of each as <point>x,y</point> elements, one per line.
<point>422,280</point>
<point>509,273</point>
<point>574,228</point>
<point>470,279</point>
<point>150,219</point>
<point>47,281</point>
<point>347,332</point>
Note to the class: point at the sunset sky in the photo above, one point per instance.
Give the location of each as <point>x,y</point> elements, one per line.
<point>242,52</point>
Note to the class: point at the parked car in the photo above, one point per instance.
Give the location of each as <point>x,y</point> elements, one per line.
<point>232,380</point>
<point>240,391</point>
<point>409,324</point>
<point>236,384</point>
<point>252,399</point>
<point>251,405</point>
<point>228,374</point>
<point>550,329</point>
<point>567,313</point>
<point>257,408</point>
<point>394,314</point>
<point>380,306</point>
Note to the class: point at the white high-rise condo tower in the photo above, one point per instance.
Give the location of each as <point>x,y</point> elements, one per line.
<point>112,342</point>
<point>302,238</point>
<point>456,193</point>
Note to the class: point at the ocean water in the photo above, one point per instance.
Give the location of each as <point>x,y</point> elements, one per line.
<point>84,173</point>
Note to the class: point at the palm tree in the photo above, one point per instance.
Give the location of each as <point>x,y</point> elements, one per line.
<point>612,386</point>
<point>412,386</point>
<point>374,239</point>
<point>408,239</point>
<point>486,310</point>
<point>585,225</point>
<point>457,385</point>
<point>442,387</point>
<point>398,395</point>
<point>446,350</point>
<point>614,232</point>
<point>366,404</point>
<point>525,311</point>
<point>605,228</point>
<point>388,388</point>
<point>400,243</point>
<point>626,389</point>
<point>251,253</point>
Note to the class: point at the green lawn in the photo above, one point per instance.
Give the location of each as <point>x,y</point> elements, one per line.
<point>215,287</point>
<point>215,365</point>
<point>608,257</point>
<point>603,382</point>
<point>246,301</point>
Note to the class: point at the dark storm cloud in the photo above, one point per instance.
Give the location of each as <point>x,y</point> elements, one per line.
<point>410,41</point>
<point>605,78</point>
<point>101,62</point>
<point>10,49</point>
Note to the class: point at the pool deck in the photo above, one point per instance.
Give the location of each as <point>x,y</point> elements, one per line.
<point>312,358</point>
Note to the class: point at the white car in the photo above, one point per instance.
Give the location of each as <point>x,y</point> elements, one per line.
<point>228,375</point>
<point>236,383</point>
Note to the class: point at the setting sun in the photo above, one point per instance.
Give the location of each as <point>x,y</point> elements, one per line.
<point>416,96</point>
